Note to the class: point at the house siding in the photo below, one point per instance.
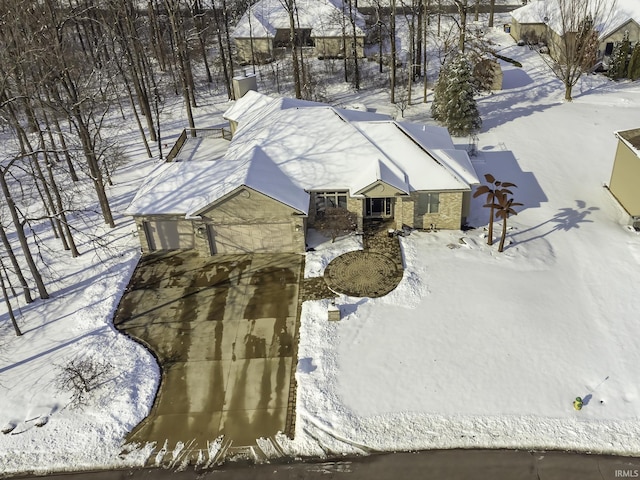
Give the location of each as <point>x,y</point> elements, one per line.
<point>449,216</point>
<point>625,179</point>
<point>618,35</point>
<point>250,207</point>
<point>528,31</point>
<point>332,47</point>
<point>262,49</point>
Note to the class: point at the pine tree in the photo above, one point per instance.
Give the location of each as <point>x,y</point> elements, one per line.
<point>453,103</point>
<point>619,56</point>
<point>634,64</point>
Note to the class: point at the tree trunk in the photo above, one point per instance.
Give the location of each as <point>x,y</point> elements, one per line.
<point>424,50</point>
<point>180,47</point>
<point>223,60</point>
<point>379,38</point>
<point>94,168</point>
<point>491,11</point>
<point>225,16</point>
<point>292,45</point>
<point>5,294</point>
<point>568,88</point>
<point>16,266</point>
<point>22,237</point>
<point>352,16</point>
<point>462,9</point>
<point>392,33</point>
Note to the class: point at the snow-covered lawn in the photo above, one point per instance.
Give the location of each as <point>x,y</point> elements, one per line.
<point>474,348</point>
<point>481,349</point>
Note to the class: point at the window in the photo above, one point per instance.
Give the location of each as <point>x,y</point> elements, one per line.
<point>326,200</point>
<point>428,203</point>
<point>608,49</point>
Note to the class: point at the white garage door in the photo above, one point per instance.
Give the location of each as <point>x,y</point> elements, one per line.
<point>169,235</point>
<point>259,238</point>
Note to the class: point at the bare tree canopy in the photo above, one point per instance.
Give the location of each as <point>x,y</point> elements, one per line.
<point>573,30</point>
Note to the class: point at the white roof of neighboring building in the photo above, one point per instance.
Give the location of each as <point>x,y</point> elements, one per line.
<point>285,148</point>
<point>323,17</point>
<point>631,139</point>
<point>615,14</point>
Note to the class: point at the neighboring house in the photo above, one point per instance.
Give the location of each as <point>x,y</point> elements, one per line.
<point>625,177</point>
<point>539,21</point>
<point>322,25</point>
<point>288,161</point>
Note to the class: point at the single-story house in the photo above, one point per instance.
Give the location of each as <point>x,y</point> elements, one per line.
<point>324,26</point>
<point>288,161</point>
<point>541,21</point>
<point>625,177</point>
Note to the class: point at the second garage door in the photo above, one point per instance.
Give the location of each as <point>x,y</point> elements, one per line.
<point>259,238</point>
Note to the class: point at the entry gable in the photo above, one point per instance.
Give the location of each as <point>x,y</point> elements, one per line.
<point>391,178</point>
<point>380,189</point>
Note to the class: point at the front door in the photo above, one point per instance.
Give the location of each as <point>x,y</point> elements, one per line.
<point>379,207</point>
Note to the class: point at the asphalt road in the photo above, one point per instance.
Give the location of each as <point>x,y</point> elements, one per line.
<point>428,465</point>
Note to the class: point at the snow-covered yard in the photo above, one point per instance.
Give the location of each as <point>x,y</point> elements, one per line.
<point>474,348</point>
<point>481,349</point>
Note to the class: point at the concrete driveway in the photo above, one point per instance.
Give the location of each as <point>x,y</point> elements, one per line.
<point>223,330</point>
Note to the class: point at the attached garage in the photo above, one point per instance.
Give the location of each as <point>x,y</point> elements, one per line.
<point>258,238</point>
<point>169,234</point>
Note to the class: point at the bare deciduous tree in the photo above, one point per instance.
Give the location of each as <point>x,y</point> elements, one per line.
<point>573,37</point>
<point>337,221</point>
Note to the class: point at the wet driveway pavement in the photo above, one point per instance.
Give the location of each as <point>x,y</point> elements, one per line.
<point>223,330</point>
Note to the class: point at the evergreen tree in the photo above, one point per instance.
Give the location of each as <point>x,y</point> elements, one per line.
<point>453,103</point>
<point>634,64</point>
<point>619,57</point>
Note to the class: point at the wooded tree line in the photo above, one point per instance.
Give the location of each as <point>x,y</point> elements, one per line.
<point>66,67</point>
<point>69,66</point>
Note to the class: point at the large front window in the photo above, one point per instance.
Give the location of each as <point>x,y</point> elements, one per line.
<point>428,203</point>
<point>326,200</point>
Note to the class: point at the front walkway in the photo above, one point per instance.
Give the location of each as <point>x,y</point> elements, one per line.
<point>372,272</point>
<point>223,330</point>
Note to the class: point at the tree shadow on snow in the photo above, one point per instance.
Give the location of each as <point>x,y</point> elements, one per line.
<point>566,219</point>
<point>520,98</point>
<point>515,78</point>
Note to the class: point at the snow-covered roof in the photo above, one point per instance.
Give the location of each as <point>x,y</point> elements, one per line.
<point>246,103</point>
<point>323,17</point>
<point>188,188</point>
<point>615,13</point>
<point>285,148</point>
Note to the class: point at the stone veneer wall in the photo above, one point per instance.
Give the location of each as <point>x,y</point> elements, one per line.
<point>355,205</point>
<point>449,216</point>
